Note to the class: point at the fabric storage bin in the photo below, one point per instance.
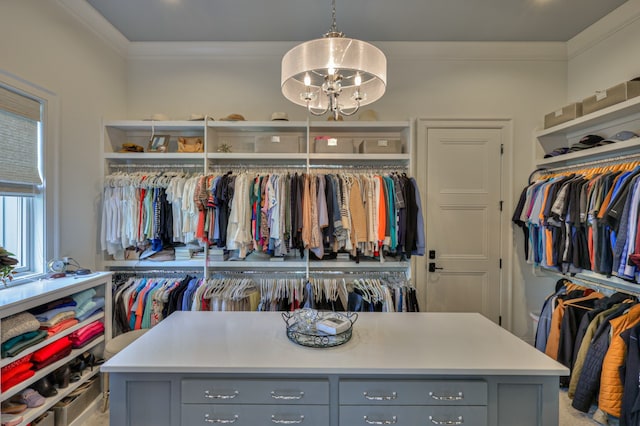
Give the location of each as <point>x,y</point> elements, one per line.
<point>330,144</point>
<point>276,143</point>
<point>611,96</point>
<point>67,410</point>
<point>47,419</point>
<point>563,115</point>
<point>381,146</point>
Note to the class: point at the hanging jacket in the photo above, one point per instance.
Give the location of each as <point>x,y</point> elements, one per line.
<point>589,381</point>
<point>610,399</point>
<point>630,414</point>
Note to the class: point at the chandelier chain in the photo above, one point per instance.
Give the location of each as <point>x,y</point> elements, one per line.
<point>334,27</point>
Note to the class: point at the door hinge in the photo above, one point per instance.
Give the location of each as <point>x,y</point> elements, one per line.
<point>500,263</point>
<point>501,203</point>
<point>501,148</point>
<point>500,320</point>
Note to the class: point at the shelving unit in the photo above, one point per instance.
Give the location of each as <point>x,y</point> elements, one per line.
<point>14,300</point>
<point>233,145</point>
<point>606,123</point>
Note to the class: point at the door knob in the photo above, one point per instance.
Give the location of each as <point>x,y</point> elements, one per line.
<point>433,267</point>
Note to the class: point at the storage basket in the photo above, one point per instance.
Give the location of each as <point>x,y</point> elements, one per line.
<point>381,146</point>
<point>566,113</point>
<point>67,410</point>
<point>611,96</point>
<point>278,144</point>
<point>329,144</point>
<point>47,419</point>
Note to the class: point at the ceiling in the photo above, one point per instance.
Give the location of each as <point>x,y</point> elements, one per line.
<point>372,20</point>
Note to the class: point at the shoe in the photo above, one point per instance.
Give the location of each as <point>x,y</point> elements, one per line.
<point>45,387</point>
<point>77,365</point>
<point>13,407</point>
<point>11,419</point>
<point>61,376</point>
<point>29,397</point>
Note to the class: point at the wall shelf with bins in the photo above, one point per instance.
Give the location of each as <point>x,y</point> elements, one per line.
<point>259,145</point>
<point>606,123</point>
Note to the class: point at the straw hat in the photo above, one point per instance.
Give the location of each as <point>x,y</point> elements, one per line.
<point>279,116</point>
<point>233,117</point>
<point>368,115</point>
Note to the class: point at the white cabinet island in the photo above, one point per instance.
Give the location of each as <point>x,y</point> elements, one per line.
<point>202,368</point>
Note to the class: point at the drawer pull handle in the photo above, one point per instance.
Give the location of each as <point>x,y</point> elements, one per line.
<point>458,421</point>
<point>393,421</point>
<point>208,395</point>
<point>458,397</point>
<point>276,395</point>
<point>287,422</point>
<point>220,421</point>
<point>393,396</point>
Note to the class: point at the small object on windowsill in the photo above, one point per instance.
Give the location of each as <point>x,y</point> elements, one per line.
<point>57,275</point>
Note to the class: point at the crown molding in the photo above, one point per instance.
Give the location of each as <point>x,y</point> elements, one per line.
<point>623,16</point>
<point>207,49</point>
<point>476,50</point>
<point>97,24</point>
<point>480,51</point>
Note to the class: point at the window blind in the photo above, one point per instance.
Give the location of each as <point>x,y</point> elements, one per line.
<point>19,122</point>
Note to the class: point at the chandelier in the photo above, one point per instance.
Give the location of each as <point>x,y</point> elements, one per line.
<point>334,73</point>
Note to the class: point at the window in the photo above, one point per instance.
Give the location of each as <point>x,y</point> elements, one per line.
<point>21,184</point>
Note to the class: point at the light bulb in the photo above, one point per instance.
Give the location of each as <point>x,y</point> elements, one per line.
<point>307,80</point>
<point>358,80</point>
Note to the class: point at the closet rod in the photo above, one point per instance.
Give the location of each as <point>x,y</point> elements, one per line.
<point>133,271</point>
<point>603,162</point>
<point>360,166</point>
<point>155,166</point>
<point>221,167</point>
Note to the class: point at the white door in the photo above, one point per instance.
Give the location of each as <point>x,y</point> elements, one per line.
<point>463,219</point>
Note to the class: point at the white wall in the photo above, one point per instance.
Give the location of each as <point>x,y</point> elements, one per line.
<point>606,53</point>
<point>44,45</point>
<point>518,81</point>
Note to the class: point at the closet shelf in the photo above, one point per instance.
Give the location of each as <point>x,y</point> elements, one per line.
<point>32,413</point>
<point>48,369</point>
<point>347,158</point>
<point>252,126</point>
<point>15,299</point>
<point>599,282</point>
<point>147,125</point>
<point>193,263</point>
<point>157,156</point>
<point>364,265</point>
<point>261,265</point>
<point>49,340</point>
<point>599,153</point>
<point>604,116</point>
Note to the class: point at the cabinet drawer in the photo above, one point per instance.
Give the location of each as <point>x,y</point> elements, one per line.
<point>195,391</point>
<point>354,415</point>
<point>252,415</point>
<point>413,392</point>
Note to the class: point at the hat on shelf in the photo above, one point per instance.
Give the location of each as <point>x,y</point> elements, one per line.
<point>368,115</point>
<point>586,142</point>
<point>556,152</point>
<point>233,117</point>
<point>196,117</point>
<point>279,116</point>
<point>618,137</point>
<point>159,117</point>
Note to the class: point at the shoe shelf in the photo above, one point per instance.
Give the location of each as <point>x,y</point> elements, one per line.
<point>48,369</point>
<point>51,339</point>
<point>32,413</point>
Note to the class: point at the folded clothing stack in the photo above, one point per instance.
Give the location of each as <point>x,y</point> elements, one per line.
<point>16,372</point>
<point>52,353</point>
<point>86,334</point>
<point>19,332</point>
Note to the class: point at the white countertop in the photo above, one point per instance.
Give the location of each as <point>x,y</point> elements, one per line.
<point>24,296</point>
<point>382,343</point>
